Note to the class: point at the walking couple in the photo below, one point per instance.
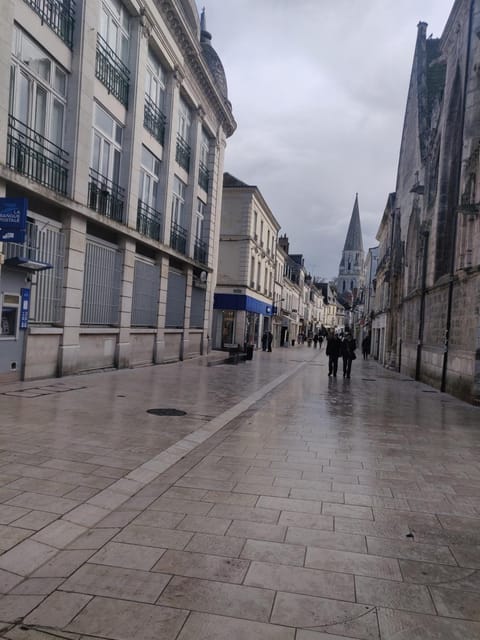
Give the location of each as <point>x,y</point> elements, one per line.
<point>337,346</point>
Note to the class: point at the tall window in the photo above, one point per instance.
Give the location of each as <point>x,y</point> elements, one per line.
<point>203,164</point>
<point>255,224</point>
<point>252,272</point>
<point>199,219</point>
<point>115,28</point>
<point>149,172</point>
<point>107,145</point>
<point>184,121</point>
<point>178,202</point>
<point>155,81</point>
<point>38,89</point>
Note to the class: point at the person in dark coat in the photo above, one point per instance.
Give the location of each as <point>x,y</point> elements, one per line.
<point>366,347</point>
<point>264,341</point>
<point>269,340</point>
<point>333,353</point>
<point>349,344</point>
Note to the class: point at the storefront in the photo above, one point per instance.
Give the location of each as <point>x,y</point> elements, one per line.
<point>239,320</point>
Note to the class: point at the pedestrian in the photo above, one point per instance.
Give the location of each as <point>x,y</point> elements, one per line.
<point>269,340</point>
<point>264,341</point>
<point>349,344</point>
<point>320,341</point>
<point>333,352</point>
<point>315,340</point>
<point>366,347</point>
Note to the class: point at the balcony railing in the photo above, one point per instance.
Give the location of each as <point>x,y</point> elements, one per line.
<point>105,197</point>
<point>203,176</point>
<point>149,221</point>
<point>34,156</point>
<point>178,238</point>
<point>182,155</point>
<point>154,120</point>
<point>59,15</point>
<point>200,251</point>
<point>111,71</point>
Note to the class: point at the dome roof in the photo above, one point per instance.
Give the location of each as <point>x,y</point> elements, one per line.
<point>212,58</point>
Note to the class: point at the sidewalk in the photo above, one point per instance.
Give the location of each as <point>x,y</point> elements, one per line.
<point>332,508</point>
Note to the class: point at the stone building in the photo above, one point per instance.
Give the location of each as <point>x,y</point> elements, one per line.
<point>244,292</point>
<point>114,116</point>
<point>434,240</point>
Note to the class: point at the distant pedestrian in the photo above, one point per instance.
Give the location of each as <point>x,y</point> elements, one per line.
<point>333,353</point>
<point>269,340</point>
<point>320,341</point>
<point>366,347</point>
<point>264,341</point>
<point>349,344</point>
<point>315,340</point>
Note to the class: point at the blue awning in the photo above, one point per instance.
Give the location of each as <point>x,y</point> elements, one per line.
<point>237,302</point>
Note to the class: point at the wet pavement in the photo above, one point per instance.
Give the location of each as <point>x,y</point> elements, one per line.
<point>284,505</point>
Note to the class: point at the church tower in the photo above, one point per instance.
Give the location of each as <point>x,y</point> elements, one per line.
<point>351,273</point>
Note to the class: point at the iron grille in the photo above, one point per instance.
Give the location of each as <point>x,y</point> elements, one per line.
<point>197,311</point>
<point>34,156</point>
<point>105,197</point>
<point>178,238</point>
<point>111,71</point>
<point>146,286</point>
<point>182,154</point>
<point>200,251</point>
<point>101,284</point>
<point>154,120</point>
<point>203,176</point>
<point>59,15</point>
<point>149,221</point>
<point>43,244</point>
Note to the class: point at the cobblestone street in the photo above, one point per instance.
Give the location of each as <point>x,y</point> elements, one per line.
<point>285,505</point>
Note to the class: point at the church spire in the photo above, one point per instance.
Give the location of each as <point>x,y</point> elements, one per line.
<point>353,241</point>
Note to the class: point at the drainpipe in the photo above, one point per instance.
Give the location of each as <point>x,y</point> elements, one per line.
<point>448,323</point>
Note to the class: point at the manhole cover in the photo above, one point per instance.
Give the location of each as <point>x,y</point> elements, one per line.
<point>167,412</point>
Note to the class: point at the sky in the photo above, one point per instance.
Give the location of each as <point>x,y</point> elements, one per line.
<point>318,89</point>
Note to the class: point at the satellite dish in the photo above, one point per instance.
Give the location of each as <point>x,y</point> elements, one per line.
<point>203,276</point>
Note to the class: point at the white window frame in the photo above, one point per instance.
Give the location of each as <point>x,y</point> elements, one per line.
<point>108,159</point>
<point>184,121</point>
<point>155,82</point>
<point>204,149</point>
<point>149,178</point>
<point>178,202</point>
<point>115,28</point>
<point>200,219</point>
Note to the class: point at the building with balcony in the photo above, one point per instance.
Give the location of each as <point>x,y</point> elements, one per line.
<point>115,117</point>
<point>244,293</point>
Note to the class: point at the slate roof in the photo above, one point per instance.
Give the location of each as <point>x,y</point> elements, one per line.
<point>211,58</point>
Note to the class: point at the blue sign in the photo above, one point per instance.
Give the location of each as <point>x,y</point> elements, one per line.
<point>25,308</point>
<point>13,219</point>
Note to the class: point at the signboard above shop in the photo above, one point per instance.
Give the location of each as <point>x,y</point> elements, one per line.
<point>13,219</point>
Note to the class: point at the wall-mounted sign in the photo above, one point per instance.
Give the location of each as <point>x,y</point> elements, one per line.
<point>13,219</point>
<point>25,307</point>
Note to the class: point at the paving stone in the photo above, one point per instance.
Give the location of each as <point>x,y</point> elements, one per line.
<point>116,582</point>
<point>216,545</point>
<point>41,502</point>
<point>8,581</point>
<point>323,614</point>
<point>409,550</point>
<point>326,539</point>
<point>274,552</point>
<point>224,497</point>
<point>181,506</point>
<point>35,520</point>
<point>467,556</point>
<point>185,493</point>
<point>290,504</point>
<point>313,494</point>
<point>162,519</point>
<point>300,580</point>
<point>396,595</point>
<point>63,564</point>
<point>415,626</point>
<point>259,489</point>
<point>154,537</point>
<point>8,513</point>
<point>26,557</point>
<point>11,536</point>
<point>355,563</point>
<point>197,565</point>
<point>129,556</point>
<point>204,626</point>
<point>59,534</point>
<point>36,586</point>
<point>36,485</point>
<point>196,482</point>
<point>218,597</point>
<point>306,520</point>
<point>456,604</point>
<point>121,620</point>
<point>257,531</point>
<point>237,512</point>
<point>440,574</point>
<point>118,518</point>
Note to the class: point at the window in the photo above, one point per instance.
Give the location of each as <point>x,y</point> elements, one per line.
<point>203,164</point>
<point>178,202</point>
<point>38,90</point>
<point>259,273</point>
<point>184,122</point>
<point>155,81</point>
<point>252,272</point>
<point>261,233</point>
<point>107,145</point>
<point>115,28</point>
<point>149,172</point>
<point>255,224</point>
<point>199,219</point>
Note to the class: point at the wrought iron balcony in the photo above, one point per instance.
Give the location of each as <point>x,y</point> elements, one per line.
<point>34,156</point>
<point>200,251</point>
<point>105,197</point>
<point>149,221</point>
<point>111,71</point>
<point>203,176</point>
<point>178,238</point>
<point>154,120</point>
<point>59,15</point>
<point>183,151</point>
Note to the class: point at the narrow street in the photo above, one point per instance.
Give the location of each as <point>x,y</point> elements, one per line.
<point>284,504</point>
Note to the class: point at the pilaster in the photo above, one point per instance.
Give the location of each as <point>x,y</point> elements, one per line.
<point>122,348</point>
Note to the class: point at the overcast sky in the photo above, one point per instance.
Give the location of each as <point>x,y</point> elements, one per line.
<point>318,89</point>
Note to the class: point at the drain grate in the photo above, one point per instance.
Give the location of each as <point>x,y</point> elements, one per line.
<point>167,412</point>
